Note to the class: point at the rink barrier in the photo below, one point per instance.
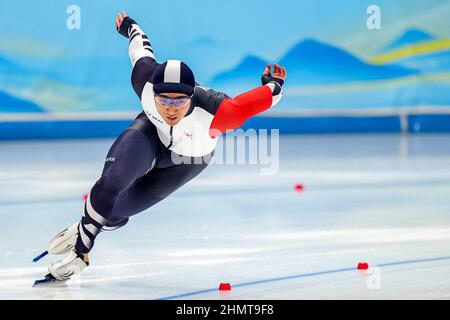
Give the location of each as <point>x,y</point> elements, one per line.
<point>80,126</point>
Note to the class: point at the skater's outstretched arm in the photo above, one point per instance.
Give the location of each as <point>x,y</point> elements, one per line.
<point>232,113</point>
<point>140,51</point>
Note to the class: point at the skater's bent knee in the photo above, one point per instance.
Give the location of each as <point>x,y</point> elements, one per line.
<point>110,184</point>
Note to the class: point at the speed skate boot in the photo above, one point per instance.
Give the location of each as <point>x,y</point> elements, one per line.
<point>64,241</point>
<point>63,269</point>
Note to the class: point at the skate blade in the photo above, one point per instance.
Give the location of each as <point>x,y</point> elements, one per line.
<point>47,280</point>
<point>39,257</point>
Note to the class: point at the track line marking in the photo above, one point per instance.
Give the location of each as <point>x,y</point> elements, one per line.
<point>302,275</point>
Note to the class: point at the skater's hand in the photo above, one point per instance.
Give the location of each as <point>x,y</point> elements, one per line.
<point>279,74</point>
<point>120,16</point>
<point>278,71</point>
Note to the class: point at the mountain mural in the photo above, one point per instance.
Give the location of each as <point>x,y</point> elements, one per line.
<point>9,103</point>
<point>246,72</point>
<point>11,75</point>
<point>412,70</point>
<point>312,62</point>
<point>72,85</point>
<point>323,76</point>
<point>14,74</point>
<point>428,63</point>
<point>333,60</point>
<point>417,49</point>
<point>411,36</point>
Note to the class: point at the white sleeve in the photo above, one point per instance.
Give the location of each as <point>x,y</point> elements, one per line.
<point>139,44</point>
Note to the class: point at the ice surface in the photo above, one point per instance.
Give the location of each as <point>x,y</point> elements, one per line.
<point>374,198</point>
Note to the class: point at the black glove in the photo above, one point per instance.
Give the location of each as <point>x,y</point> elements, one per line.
<point>265,79</point>
<point>126,23</point>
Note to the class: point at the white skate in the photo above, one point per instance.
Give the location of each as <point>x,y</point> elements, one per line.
<point>63,269</point>
<point>62,243</point>
<point>65,241</point>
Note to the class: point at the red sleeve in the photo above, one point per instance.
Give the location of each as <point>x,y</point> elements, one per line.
<point>232,113</point>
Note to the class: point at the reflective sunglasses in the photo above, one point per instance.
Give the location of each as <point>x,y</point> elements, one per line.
<point>178,102</point>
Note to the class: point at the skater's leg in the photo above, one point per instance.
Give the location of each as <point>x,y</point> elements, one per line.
<point>129,158</point>
<point>152,188</point>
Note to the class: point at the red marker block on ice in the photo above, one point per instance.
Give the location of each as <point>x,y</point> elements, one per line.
<point>363,266</point>
<point>85,196</point>
<point>224,286</point>
<point>299,187</point>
